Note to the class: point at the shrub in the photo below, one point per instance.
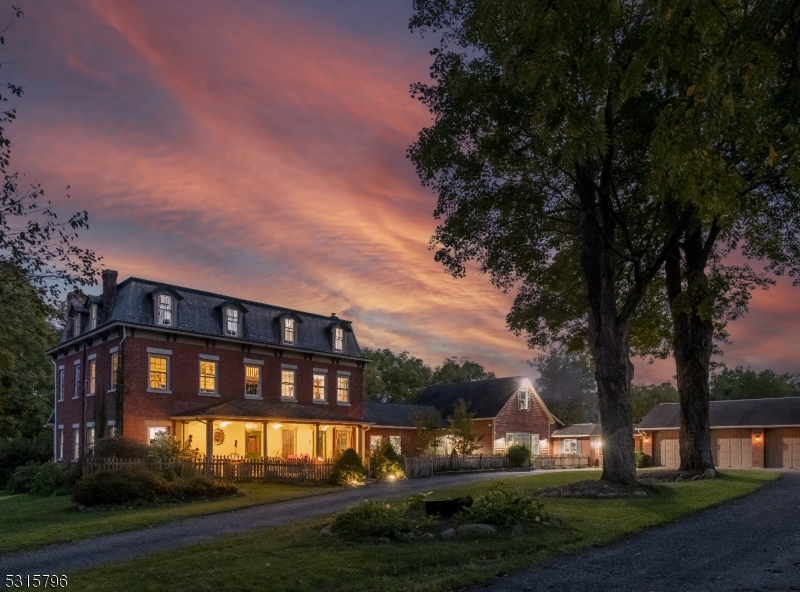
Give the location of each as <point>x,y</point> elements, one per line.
<point>120,447</point>
<point>18,453</point>
<point>642,460</point>
<point>348,470</point>
<point>518,455</point>
<point>501,508</point>
<point>167,448</point>
<point>42,479</point>
<point>386,463</point>
<point>376,519</point>
<point>417,501</point>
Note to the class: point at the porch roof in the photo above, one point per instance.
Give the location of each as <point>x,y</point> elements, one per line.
<point>251,409</point>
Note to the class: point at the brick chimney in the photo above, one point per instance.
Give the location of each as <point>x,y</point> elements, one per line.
<point>109,291</point>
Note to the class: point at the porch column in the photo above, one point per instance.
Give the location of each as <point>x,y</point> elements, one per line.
<point>317,451</point>
<point>264,453</point>
<point>209,444</point>
<point>359,437</point>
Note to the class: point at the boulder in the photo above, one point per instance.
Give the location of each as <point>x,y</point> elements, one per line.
<point>678,478</point>
<point>709,474</point>
<point>697,478</point>
<point>476,531</point>
<point>427,536</point>
<point>449,534</point>
<point>327,531</point>
<point>640,493</point>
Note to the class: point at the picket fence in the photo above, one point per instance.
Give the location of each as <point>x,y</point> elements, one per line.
<point>226,467</point>
<point>425,466</point>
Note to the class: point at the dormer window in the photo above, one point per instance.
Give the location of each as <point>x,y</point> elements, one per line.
<point>164,310</point>
<point>93,317</point>
<point>232,322</point>
<point>338,339</point>
<point>288,330</point>
<point>76,324</point>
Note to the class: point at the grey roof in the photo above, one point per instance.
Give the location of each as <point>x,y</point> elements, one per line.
<point>783,411</point>
<point>251,409</point>
<point>484,398</point>
<point>397,415</point>
<point>579,429</point>
<point>200,312</point>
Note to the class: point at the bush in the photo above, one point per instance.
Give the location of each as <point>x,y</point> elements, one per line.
<point>386,463</point>
<point>120,447</point>
<point>18,453</point>
<point>137,484</point>
<point>500,508</point>
<point>42,479</point>
<point>642,460</point>
<point>371,519</point>
<point>167,448</point>
<point>348,470</point>
<point>518,455</point>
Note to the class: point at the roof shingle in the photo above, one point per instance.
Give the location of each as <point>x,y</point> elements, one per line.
<point>783,411</point>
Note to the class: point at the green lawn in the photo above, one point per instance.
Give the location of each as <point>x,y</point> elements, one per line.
<point>28,521</point>
<point>298,558</point>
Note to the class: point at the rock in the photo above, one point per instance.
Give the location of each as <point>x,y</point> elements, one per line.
<point>566,494</point>
<point>449,534</point>
<point>407,537</point>
<point>543,495</point>
<point>475,531</point>
<point>640,493</point>
<point>647,481</point>
<point>383,541</point>
<point>678,478</point>
<point>427,536</point>
<point>555,494</point>
<point>697,478</point>
<point>709,474</point>
<point>327,531</point>
<point>517,530</point>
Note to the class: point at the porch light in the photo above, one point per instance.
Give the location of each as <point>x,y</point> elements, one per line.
<point>277,425</point>
<point>224,424</point>
<point>324,428</point>
<point>597,444</point>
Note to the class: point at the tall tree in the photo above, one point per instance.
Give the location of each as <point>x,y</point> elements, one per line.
<point>738,383</point>
<point>644,397</point>
<point>566,384</point>
<point>459,370</point>
<point>394,378</point>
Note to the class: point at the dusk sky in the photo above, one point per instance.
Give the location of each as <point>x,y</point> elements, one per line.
<point>257,149</point>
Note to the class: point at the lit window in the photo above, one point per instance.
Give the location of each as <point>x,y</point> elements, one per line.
<point>527,439</point>
<point>157,431</point>
<point>60,443</point>
<point>319,387</point>
<point>76,393</point>
<point>76,450</point>
<point>338,339</point>
<point>287,384</point>
<point>232,321</point>
<point>61,383</point>
<point>397,443</point>
<point>343,389</point>
<point>288,330</point>
<point>159,372</point>
<point>524,399</point>
<point>92,376</point>
<point>93,317</point>
<point>569,446</point>
<point>114,370</point>
<point>375,442</point>
<point>164,312</point>
<point>76,325</point>
<point>89,439</point>
<point>252,381</point>
<point>208,377</point>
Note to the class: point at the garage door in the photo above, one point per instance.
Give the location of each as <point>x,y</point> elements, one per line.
<point>731,448</point>
<point>665,449</point>
<point>782,448</point>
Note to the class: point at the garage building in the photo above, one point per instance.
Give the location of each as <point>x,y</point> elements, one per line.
<point>745,433</point>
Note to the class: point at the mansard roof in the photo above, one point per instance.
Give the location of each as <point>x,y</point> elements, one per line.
<point>199,312</point>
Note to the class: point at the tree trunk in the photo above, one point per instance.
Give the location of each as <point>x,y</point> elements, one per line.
<point>693,334</point>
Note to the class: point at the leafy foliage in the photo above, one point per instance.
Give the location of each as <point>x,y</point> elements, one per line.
<point>121,447</point>
<point>42,479</point>
<point>391,378</point>
<point>645,397</point>
<point>348,469</point>
<point>18,453</point>
<point>386,463</point>
<point>518,455</point>
<point>428,430</point>
<point>749,384</point>
<point>459,370</point>
<point>462,438</point>
<point>167,448</point>
<point>567,385</point>
<point>503,509</point>
<point>371,519</point>
<point>642,460</point>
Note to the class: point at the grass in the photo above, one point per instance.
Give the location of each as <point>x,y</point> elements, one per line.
<point>298,558</point>
<point>27,521</point>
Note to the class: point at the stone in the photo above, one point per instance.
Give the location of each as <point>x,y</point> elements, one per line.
<point>566,494</point>
<point>678,478</point>
<point>647,481</point>
<point>407,537</point>
<point>476,531</point>
<point>697,478</point>
<point>555,494</point>
<point>383,541</point>
<point>640,493</point>
<point>427,536</point>
<point>517,530</point>
<point>327,531</point>
<point>709,474</point>
<point>449,534</point>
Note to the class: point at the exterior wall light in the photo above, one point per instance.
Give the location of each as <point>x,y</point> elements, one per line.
<point>277,425</point>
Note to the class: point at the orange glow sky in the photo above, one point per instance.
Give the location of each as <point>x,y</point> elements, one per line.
<point>257,149</point>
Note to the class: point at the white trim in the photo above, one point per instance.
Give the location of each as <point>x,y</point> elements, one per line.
<point>162,352</point>
<point>75,426</point>
<point>114,349</point>
<point>250,362</point>
<point>209,358</point>
<point>111,422</point>
<point>61,367</point>
<point>76,362</point>
<point>91,357</point>
<point>288,367</point>
<point>320,370</point>
<point>61,426</point>
<point>89,424</point>
<point>343,373</point>
<point>214,360</point>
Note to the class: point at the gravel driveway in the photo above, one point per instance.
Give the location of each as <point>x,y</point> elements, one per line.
<point>746,545</point>
<point>70,557</point>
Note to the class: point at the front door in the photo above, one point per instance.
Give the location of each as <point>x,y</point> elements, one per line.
<point>252,444</point>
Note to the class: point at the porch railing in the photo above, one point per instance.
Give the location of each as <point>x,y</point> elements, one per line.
<point>424,466</point>
<point>226,467</point>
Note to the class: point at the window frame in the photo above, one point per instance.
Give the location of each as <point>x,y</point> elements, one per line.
<point>396,443</point>
<point>76,324</point>
<point>172,310</point>
<point>76,441</point>
<point>76,379</point>
<point>61,377</point>
<point>288,369</point>
<point>319,373</point>
<point>346,377</point>
<point>90,437</point>
<point>153,353</point>
<point>526,399</point>
<point>161,427</point>
<point>92,317</point>
<point>514,438</point>
<point>375,442</point>
<point>338,331</point>
<point>237,315</point>
<point>91,376</point>
<point>573,444</point>
<point>214,360</point>
<point>289,326</point>
<point>60,447</point>
<point>260,367</point>
<point>114,365</point>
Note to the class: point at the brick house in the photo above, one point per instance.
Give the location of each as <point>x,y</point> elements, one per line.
<point>744,433</point>
<point>239,377</point>
<point>397,424</point>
